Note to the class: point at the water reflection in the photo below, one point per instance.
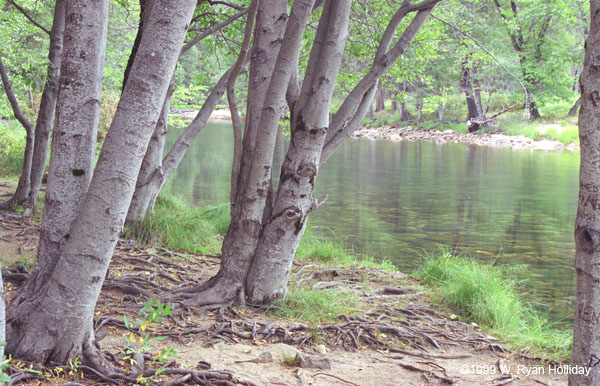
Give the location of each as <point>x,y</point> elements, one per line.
<point>395,200</point>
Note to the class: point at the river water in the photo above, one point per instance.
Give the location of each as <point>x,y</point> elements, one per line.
<point>395,200</point>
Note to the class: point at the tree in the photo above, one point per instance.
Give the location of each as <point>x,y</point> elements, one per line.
<point>259,246</point>
<point>586,334</point>
<point>529,25</point>
<point>50,318</point>
<point>156,170</point>
<point>36,148</point>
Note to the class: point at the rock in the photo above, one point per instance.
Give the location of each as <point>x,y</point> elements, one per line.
<point>308,362</point>
<point>281,351</point>
<point>321,349</point>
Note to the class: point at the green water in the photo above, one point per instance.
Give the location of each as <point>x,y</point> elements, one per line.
<point>395,200</point>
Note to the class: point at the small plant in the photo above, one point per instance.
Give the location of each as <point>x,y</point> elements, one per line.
<point>153,313</point>
<point>291,360</point>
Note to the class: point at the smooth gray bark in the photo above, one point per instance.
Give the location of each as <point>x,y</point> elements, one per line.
<point>55,322</point>
<point>244,231</point>
<point>155,170</point>
<point>271,19</point>
<point>294,202</point>
<point>586,322</point>
<point>75,132</point>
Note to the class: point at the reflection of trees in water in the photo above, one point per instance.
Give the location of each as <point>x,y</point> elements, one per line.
<point>396,199</point>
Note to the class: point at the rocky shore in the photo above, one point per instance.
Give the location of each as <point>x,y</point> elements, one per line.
<point>495,139</point>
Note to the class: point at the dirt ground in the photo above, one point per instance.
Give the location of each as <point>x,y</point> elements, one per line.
<point>396,338</point>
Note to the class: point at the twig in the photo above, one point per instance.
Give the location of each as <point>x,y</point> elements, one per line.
<point>336,377</point>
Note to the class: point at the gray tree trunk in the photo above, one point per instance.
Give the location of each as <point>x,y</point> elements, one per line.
<point>270,26</point>
<point>54,323</point>
<point>244,231</point>
<point>35,161</point>
<point>258,250</point>
<point>441,114</point>
<point>294,202</point>
<point>586,322</point>
<point>75,133</point>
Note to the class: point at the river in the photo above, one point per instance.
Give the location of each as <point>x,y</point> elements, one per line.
<point>395,200</point>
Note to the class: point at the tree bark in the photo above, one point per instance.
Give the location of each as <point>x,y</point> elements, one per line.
<point>294,202</point>
<point>574,108</point>
<point>268,33</point>
<point>155,170</point>
<point>35,160</point>
<point>69,175</point>
<point>244,231</point>
<point>586,334</point>
<point>441,114</point>
<point>54,324</point>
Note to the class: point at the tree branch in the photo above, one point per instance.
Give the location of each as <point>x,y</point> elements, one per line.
<point>14,103</point>
<point>212,30</point>
<point>233,108</point>
<point>26,14</point>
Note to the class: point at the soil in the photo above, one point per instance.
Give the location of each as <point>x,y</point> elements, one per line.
<point>395,337</point>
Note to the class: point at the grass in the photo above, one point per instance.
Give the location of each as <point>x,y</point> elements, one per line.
<point>12,145</point>
<point>483,293</point>
<point>316,246</point>
<point>314,306</point>
<point>175,225</point>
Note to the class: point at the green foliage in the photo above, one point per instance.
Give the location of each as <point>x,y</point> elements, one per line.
<point>12,146</point>
<point>151,315</point>
<point>483,293</point>
<point>313,306</point>
<point>175,225</point>
<point>188,96</point>
<point>323,249</point>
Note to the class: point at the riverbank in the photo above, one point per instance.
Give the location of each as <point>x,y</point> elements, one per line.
<point>494,138</point>
<point>345,321</point>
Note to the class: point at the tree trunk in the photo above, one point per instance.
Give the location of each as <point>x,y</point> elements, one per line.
<point>404,113</point>
<point>586,334</point>
<point>243,234</point>
<point>441,114</point>
<point>380,99</point>
<point>472,109</point>
<point>150,179</point>
<point>34,167</point>
<point>294,202</point>
<point>54,324</point>
<point>419,107</point>
<point>574,108</point>
<point>258,249</point>
<point>69,176</point>
<point>270,27</point>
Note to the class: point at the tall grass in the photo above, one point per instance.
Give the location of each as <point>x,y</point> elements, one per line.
<point>175,225</point>
<point>316,246</point>
<point>484,294</point>
<point>313,306</point>
<point>12,146</point>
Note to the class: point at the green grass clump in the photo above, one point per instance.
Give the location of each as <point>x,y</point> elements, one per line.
<point>313,306</point>
<point>317,247</point>
<point>12,146</point>
<point>175,225</point>
<point>482,293</point>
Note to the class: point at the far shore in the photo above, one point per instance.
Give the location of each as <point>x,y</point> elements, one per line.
<point>493,139</point>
